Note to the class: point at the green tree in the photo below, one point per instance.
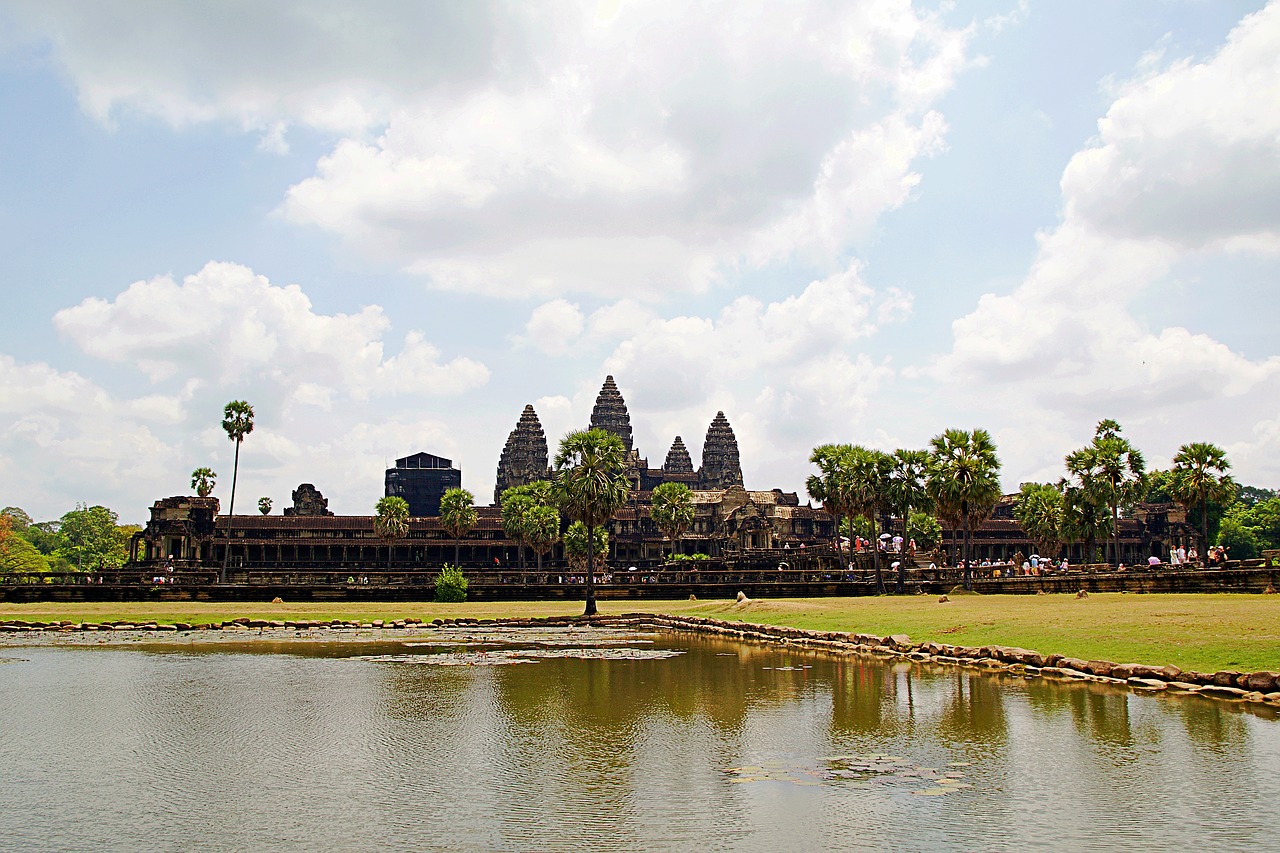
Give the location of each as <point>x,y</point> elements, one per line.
<point>391,521</point>
<point>1243,541</point>
<point>1200,476</point>
<point>542,530</point>
<point>1083,518</point>
<point>237,422</point>
<point>17,555</point>
<point>203,481</point>
<point>907,490</point>
<point>457,516</point>
<point>264,506</point>
<point>964,482</point>
<point>926,530</point>
<point>516,503</point>
<point>19,521</point>
<point>1110,471</point>
<point>590,486</point>
<point>575,546</point>
<point>1040,512</point>
<point>92,538</point>
<point>672,510</point>
<point>830,486</point>
<point>451,585</point>
<point>867,475</point>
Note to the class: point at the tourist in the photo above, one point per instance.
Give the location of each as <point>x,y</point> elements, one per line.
<point>1192,555</point>
<point>1174,560</point>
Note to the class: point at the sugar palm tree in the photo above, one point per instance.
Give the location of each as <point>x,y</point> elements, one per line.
<point>908,490</point>
<point>1040,511</point>
<point>1199,476</point>
<point>672,510</point>
<point>1083,519</point>
<point>264,506</point>
<point>868,479</point>
<point>542,530</point>
<point>575,545</point>
<point>237,422</point>
<point>590,486</point>
<point>964,482</point>
<point>1111,471</point>
<point>391,520</point>
<point>516,503</point>
<point>830,485</point>
<point>457,516</point>
<point>203,480</point>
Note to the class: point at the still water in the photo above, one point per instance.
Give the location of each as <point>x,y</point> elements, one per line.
<point>659,742</point>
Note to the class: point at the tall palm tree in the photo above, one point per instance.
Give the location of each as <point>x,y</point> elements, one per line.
<point>964,482</point>
<point>516,503</point>
<point>1112,471</point>
<point>908,490</point>
<point>591,485</point>
<point>868,479</point>
<point>672,510</point>
<point>391,520</point>
<point>203,480</point>
<point>1200,475</point>
<point>1083,519</point>
<point>829,485</point>
<point>575,544</point>
<point>237,422</point>
<point>457,516</point>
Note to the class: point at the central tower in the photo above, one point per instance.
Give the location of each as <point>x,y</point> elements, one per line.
<point>610,413</point>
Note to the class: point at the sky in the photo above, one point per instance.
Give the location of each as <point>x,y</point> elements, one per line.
<point>390,226</point>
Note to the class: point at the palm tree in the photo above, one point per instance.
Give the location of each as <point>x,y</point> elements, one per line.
<point>516,502</point>
<point>1200,475</point>
<point>1040,511</point>
<point>1111,471</point>
<point>908,490</point>
<point>542,530</point>
<point>457,515</point>
<point>264,506</point>
<point>391,520</point>
<point>575,545</point>
<point>868,485</point>
<point>1083,520</point>
<point>237,422</point>
<point>203,480</point>
<point>828,486</point>
<point>672,510</point>
<point>590,486</point>
<point>964,482</point>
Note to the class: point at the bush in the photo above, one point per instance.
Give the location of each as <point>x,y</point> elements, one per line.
<point>675,558</point>
<point>450,584</point>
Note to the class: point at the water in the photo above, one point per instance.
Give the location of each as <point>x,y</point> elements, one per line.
<point>722,747</point>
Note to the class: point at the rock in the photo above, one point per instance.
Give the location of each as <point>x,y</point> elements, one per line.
<point>1148,683</point>
<point>1273,697</point>
<point>693,597</point>
<point>1262,682</point>
<point>1225,678</point>
<point>742,597</point>
<point>900,641</point>
<point>277,600</point>
<point>1082,594</point>
<point>943,599</point>
<point>1184,686</point>
<point>1222,691</point>
<point>166,627</point>
<point>1253,696</point>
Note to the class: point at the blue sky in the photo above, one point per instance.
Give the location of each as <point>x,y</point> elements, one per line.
<point>392,228</point>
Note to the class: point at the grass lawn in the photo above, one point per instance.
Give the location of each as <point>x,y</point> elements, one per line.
<point>1201,632</point>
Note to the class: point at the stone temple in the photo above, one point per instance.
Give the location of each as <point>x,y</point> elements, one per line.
<point>524,456</point>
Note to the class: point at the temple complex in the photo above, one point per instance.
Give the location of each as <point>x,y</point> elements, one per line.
<point>308,502</point>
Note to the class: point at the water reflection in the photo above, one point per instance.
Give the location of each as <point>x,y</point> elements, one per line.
<point>318,747</point>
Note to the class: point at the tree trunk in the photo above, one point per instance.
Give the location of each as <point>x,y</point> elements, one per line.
<point>457,545</point>
<point>231,511</point>
<point>591,571</point>
<point>1115,535</point>
<point>1204,526</point>
<point>902,563</point>
<point>875,554</point>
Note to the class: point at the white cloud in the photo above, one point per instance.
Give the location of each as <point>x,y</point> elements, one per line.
<point>225,325</point>
<point>1185,164</point>
<point>554,327</point>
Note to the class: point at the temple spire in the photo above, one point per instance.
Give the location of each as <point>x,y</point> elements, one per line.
<point>524,457</point>
<point>720,465</point>
<point>678,461</point>
<point>610,413</point>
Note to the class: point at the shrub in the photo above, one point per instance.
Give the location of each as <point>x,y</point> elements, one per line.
<point>688,557</point>
<point>450,584</point>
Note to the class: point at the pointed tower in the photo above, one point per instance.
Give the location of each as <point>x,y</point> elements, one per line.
<point>678,461</point>
<point>610,413</point>
<point>720,466</point>
<point>524,457</point>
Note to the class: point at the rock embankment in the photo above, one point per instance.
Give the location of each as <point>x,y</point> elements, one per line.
<point>1261,686</point>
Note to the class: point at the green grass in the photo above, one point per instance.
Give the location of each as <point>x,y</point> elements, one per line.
<point>1201,632</point>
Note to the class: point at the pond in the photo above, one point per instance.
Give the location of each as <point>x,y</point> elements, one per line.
<point>601,739</point>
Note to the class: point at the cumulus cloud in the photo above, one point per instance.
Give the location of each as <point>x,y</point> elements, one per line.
<point>554,327</point>
<point>226,325</point>
<point>1185,164</point>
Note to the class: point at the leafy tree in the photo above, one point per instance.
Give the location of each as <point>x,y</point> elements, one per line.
<point>1199,476</point>
<point>1243,541</point>
<point>17,555</point>
<point>450,584</point>
<point>391,520</point>
<point>964,482</point>
<point>457,516</point>
<point>19,521</point>
<point>575,545</point>
<point>264,506</point>
<point>516,503</point>
<point>47,538</point>
<point>203,480</point>
<point>1040,511</point>
<point>672,510</point>
<point>1083,519</point>
<point>907,490</point>
<point>1252,495</point>
<point>542,530</point>
<point>237,422</point>
<point>1110,471</point>
<point>1259,523</point>
<point>92,538</point>
<point>590,486</point>
<point>926,530</point>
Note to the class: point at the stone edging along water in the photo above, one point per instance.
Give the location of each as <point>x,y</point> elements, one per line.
<point>1261,687</point>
